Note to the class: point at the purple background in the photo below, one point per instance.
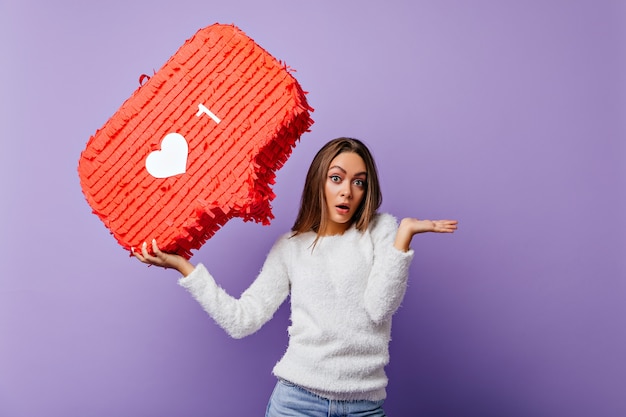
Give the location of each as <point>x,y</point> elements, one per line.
<point>508,116</point>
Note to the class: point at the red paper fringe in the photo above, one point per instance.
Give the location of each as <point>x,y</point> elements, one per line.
<point>231,165</point>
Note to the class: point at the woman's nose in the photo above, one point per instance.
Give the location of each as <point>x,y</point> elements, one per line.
<point>346,191</point>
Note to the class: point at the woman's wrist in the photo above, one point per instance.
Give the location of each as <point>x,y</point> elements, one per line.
<point>403,239</point>
<point>185,267</point>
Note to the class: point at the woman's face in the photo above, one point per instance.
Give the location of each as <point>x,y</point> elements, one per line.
<point>344,189</point>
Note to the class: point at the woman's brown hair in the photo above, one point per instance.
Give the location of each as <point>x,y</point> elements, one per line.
<point>312,215</point>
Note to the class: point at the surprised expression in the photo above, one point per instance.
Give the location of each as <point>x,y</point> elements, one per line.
<point>344,189</point>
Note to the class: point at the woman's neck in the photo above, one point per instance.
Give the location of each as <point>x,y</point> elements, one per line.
<point>335,229</point>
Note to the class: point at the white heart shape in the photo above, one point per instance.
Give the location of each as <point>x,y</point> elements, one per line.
<point>171,159</point>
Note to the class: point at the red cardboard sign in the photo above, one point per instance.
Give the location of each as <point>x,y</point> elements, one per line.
<point>196,145</point>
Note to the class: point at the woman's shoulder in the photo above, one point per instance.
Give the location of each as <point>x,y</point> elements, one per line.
<point>384,220</point>
<point>383,226</point>
<point>291,239</point>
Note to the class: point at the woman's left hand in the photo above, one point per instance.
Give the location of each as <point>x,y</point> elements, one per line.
<point>415,226</point>
<point>409,227</point>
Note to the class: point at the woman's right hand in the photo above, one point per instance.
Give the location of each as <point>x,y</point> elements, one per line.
<point>163,259</point>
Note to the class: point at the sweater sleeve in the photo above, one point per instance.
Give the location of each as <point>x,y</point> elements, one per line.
<point>387,281</point>
<point>242,316</point>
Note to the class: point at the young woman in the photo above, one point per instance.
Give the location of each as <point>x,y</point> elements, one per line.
<point>345,268</point>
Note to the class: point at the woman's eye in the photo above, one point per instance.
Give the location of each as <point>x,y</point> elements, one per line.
<point>359,183</point>
<point>335,178</point>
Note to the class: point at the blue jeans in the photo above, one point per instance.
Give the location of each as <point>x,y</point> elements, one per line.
<point>289,400</point>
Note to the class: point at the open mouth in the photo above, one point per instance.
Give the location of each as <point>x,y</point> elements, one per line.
<point>343,208</point>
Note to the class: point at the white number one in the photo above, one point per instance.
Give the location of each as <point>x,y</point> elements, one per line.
<point>203,109</point>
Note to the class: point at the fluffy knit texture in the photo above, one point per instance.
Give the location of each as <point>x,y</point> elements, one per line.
<point>343,293</point>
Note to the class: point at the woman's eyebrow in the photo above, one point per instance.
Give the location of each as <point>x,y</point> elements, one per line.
<point>345,172</point>
<point>337,167</point>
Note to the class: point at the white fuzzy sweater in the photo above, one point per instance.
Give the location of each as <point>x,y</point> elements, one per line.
<point>343,295</point>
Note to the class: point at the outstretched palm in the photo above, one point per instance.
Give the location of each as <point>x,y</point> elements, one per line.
<point>436,226</point>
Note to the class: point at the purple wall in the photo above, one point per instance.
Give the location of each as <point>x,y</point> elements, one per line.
<point>508,116</point>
